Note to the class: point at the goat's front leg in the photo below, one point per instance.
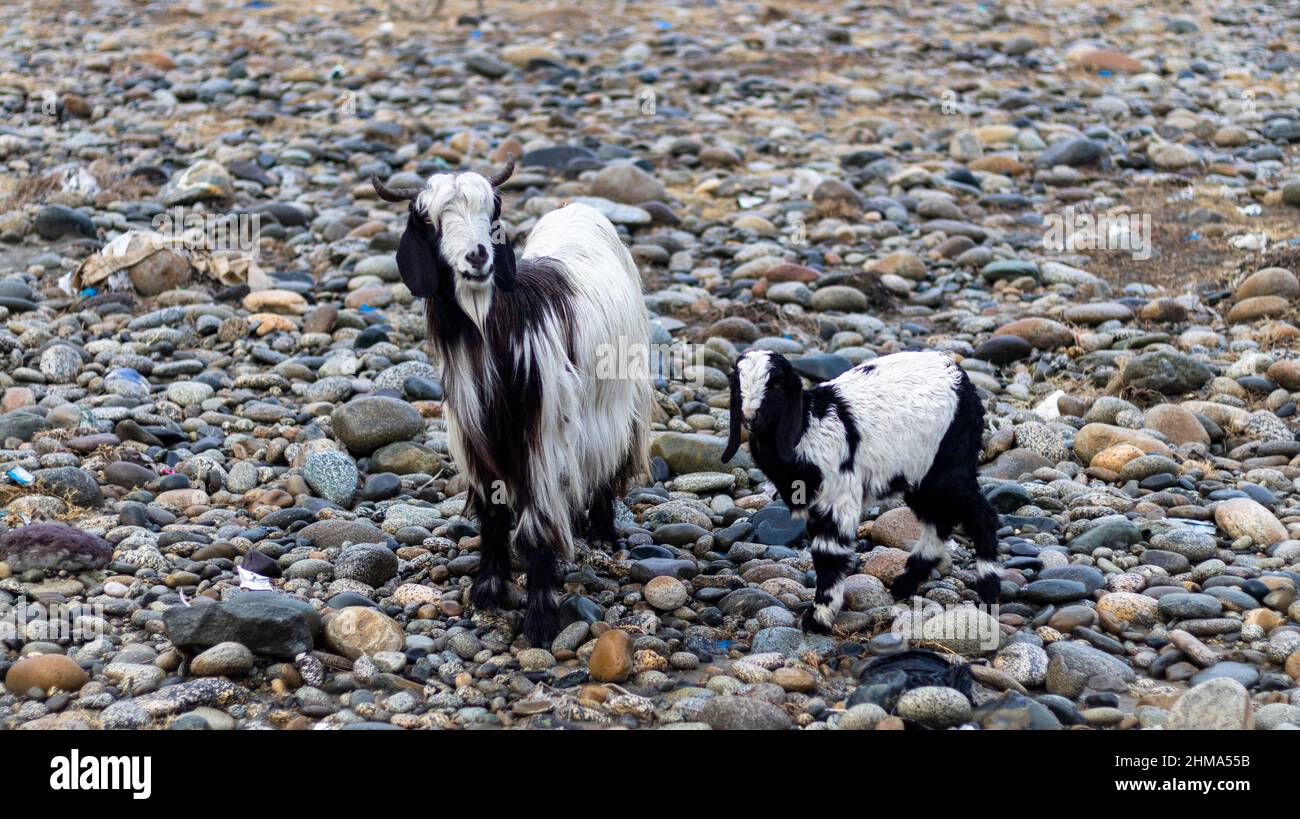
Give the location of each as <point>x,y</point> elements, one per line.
<point>538,539</point>
<point>489,589</point>
<point>600,518</point>
<point>834,535</point>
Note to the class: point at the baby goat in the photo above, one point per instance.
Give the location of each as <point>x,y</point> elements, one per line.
<point>909,423</point>
<point>539,430</point>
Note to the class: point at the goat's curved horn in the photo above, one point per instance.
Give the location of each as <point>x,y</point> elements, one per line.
<point>499,179</point>
<point>393,194</point>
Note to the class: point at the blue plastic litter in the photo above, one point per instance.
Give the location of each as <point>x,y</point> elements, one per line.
<point>20,476</point>
<point>126,374</point>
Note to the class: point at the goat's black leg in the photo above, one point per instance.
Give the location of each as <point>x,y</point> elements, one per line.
<point>834,534</point>
<point>600,517</point>
<point>489,589</point>
<point>981,522</point>
<point>538,541</point>
<point>937,513</point>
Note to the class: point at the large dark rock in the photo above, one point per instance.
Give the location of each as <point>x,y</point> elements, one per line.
<point>774,525</point>
<point>53,547</point>
<point>266,622</point>
<point>747,602</point>
<point>72,484</point>
<point>557,157</point>
<point>367,563</point>
<point>821,367</point>
<point>1015,712</point>
<point>1166,372</point>
<point>56,221</point>
<point>1074,152</point>
<point>21,425</point>
<point>1003,349</point>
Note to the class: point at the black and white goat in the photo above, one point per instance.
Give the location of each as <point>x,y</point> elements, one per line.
<point>539,433</point>
<point>908,422</point>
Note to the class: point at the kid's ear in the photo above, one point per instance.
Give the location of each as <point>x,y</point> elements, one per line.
<point>733,441</point>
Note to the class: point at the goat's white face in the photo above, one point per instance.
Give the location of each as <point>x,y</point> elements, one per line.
<point>463,209</point>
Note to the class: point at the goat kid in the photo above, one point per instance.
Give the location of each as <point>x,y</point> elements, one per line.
<point>908,422</point>
<point>539,433</point>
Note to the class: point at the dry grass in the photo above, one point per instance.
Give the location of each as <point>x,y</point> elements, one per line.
<point>1179,263</point>
<point>45,188</point>
<point>765,315</point>
<point>9,493</point>
<point>26,190</point>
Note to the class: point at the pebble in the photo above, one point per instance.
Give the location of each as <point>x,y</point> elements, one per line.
<point>227,659</point>
<point>1026,663</point>
<point>1220,704</point>
<point>934,706</point>
<point>46,672</point>
<point>366,563</point>
<point>666,593</point>
<point>734,713</point>
<point>611,661</point>
<point>359,630</point>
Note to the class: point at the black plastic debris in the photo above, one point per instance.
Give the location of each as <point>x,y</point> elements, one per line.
<point>895,674</point>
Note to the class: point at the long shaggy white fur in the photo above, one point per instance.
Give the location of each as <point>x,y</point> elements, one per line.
<point>541,431</point>
<point>589,423</point>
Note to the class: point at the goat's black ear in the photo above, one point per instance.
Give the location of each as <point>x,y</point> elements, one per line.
<point>503,266</point>
<point>503,254</point>
<point>733,442</point>
<point>789,422</point>
<point>417,256</point>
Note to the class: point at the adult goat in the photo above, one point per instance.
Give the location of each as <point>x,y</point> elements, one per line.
<point>537,423</point>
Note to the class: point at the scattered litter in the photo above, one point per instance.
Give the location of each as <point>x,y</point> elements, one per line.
<point>922,667</point>
<point>252,581</point>
<point>21,476</point>
<point>151,262</point>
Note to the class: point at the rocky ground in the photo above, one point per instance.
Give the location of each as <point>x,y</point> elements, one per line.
<point>834,181</point>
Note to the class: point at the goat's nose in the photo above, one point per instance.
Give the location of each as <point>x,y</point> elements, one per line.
<point>477,257</point>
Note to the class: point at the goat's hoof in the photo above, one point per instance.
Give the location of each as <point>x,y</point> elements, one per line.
<point>812,625</point>
<point>487,593</point>
<point>604,544</point>
<point>540,631</point>
<point>903,588</point>
<point>989,589</point>
<point>603,537</point>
